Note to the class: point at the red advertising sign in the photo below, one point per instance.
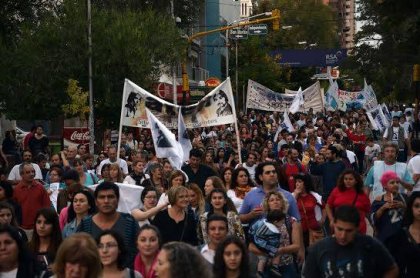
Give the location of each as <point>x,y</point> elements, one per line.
<point>75,136</point>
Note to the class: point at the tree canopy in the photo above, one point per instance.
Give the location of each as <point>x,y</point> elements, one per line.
<point>47,52</point>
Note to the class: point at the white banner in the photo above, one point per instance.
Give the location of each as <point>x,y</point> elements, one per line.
<point>377,118</point>
<point>262,98</point>
<point>216,108</point>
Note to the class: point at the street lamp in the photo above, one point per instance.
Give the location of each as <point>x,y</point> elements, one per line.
<point>91,116</point>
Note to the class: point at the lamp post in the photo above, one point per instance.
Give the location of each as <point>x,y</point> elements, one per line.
<point>91,112</point>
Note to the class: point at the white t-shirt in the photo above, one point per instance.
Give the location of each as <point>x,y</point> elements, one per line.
<point>9,274</point>
<point>15,175</point>
<point>351,156</point>
<point>413,167</point>
<point>121,162</point>
<point>251,169</point>
<point>373,151</point>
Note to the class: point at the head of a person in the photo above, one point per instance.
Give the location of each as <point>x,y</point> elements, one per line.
<point>78,165</point>
<point>83,203</point>
<point>13,249</point>
<point>231,256</point>
<point>415,145</point>
<point>149,197</point>
<point>349,178</point>
<point>55,160</point>
<point>88,159</point>
<point>266,174</point>
<point>332,153</point>
<point>218,200</point>
<point>112,153</point>
<point>227,176</point>
<point>293,155</point>
<point>111,248</point>
<point>195,196</point>
<point>155,170</point>
<point>274,216</point>
<point>212,183</point>
<point>6,191</point>
<point>115,172</point>
<point>370,141</point>
<point>217,228</point>
<point>41,160</point>
<point>27,172</point>
<point>177,178</point>
<point>395,121</point>
<point>178,196</point>
<point>251,159</point>
<point>46,226</point>
<point>179,259</point>
<point>304,182</point>
<point>105,171</point>
<point>195,158</point>
<point>390,181</point>
<point>56,173</point>
<point>346,224</point>
<point>78,256</point>
<point>390,150</point>
<point>39,129</point>
<point>149,241</point>
<point>209,157</point>
<point>240,177</point>
<point>167,168</point>
<point>107,195</point>
<point>7,214</point>
<point>412,213</point>
<point>275,201</point>
<point>71,177</point>
<point>221,98</point>
<point>102,155</point>
<point>81,149</point>
<point>71,152</point>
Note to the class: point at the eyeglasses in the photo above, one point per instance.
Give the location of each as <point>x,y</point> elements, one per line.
<point>107,246</point>
<point>270,172</point>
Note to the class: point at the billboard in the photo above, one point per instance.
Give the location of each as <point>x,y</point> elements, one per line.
<point>310,57</point>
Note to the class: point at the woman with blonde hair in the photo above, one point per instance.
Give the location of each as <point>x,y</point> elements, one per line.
<point>78,256</point>
<point>177,223</point>
<point>115,173</point>
<point>290,237</point>
<point>197,201</point>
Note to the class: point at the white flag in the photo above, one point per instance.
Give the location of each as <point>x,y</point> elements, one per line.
<point>331,96</point>
<point>183,138</point>
<point>287,123</point>
<point>165,142</point>
<point>297,102</point>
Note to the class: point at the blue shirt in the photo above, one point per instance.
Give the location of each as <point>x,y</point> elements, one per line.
<point>255,197</point>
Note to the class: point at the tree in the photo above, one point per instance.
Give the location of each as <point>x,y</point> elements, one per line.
<point>78,105</point>
<point>126,44</point>
<point>388,45</point>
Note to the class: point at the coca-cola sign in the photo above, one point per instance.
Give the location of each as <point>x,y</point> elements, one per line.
<point>80,136</point>
<point>75,135</point>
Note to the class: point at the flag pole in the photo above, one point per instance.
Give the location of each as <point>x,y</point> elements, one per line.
<point>121,117</point>
<point>238,140</point>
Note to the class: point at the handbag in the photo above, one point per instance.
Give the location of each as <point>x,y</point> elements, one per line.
<point>314,235</point>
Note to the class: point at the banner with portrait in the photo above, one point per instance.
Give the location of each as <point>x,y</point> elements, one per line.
<point>262,98</point>
<point>216,108</point>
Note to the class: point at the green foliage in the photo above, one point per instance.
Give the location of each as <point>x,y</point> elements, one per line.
<point>387,46</point>
<point>127,43</point>
<point>78,105</point>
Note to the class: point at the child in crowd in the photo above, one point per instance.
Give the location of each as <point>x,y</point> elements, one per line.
<point>265,235</point>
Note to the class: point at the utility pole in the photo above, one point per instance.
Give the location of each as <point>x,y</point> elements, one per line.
<point>236,74</point>
<point>91,106</point>
<point>174,68</point>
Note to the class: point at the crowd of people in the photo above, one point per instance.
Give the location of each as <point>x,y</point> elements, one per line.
<point>333,198</point>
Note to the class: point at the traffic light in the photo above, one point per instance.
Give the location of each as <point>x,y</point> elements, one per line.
<point>276,21</point>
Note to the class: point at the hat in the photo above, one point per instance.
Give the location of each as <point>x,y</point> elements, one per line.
<point>387,176</point>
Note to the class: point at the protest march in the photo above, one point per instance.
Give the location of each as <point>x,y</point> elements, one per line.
<point>302,183</point>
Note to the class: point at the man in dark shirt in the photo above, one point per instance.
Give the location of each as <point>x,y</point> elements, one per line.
<point>330,170</point>
<point>197,172</point>
<point>107,195</point>
<point>347,253</point>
